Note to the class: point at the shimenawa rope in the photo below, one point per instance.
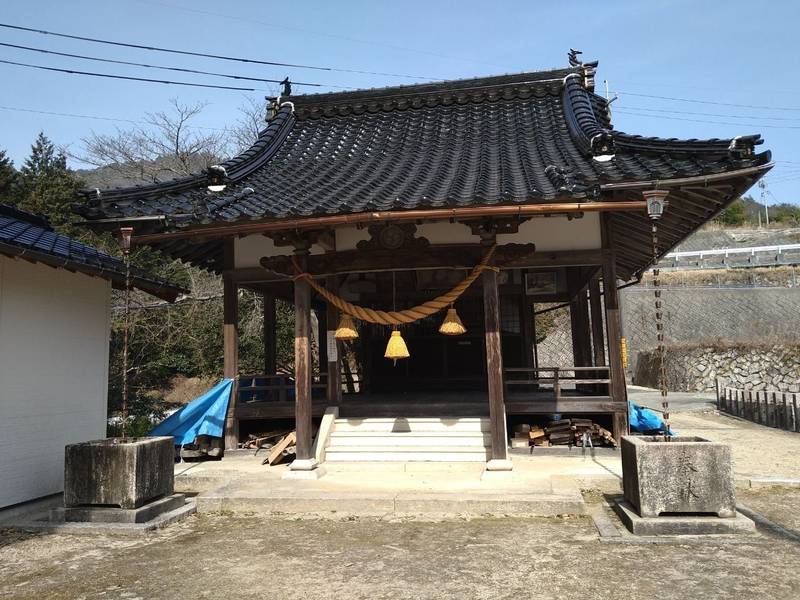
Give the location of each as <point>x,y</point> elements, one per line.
<point>399,317</point>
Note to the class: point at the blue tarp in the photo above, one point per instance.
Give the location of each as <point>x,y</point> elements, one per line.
<point>644,420</point>
<point>202,416</point>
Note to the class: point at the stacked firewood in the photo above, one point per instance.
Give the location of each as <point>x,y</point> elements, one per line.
<point>564,432</point>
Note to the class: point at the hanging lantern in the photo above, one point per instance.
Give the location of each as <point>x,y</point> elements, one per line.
<point>452,324</point>
<point>346,332</point>
<point>396,348</point>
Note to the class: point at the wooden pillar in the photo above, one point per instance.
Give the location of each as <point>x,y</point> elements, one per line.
<point>596,311</point>
<point>270,335</point>
<point>334,391</point>
<point>322,344</point>
<point>494,372</point>
<point>619,392</point>
<point>579,320</point>
<point>526,325</point>
<point>302,363</point>
<point>230,344</point>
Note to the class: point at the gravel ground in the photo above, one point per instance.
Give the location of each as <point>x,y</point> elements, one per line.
<point>758,451</point>
<point>217,555</point>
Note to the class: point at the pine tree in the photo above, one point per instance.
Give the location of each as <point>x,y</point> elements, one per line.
<point>8,176</point>
<point>46,186</point>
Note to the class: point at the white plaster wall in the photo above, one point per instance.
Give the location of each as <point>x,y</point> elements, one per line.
<point>54,328</point>
<point>249,250</point>
<point>558,233</point>
<point>548,233</point>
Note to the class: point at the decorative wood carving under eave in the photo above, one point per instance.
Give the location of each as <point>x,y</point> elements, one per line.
<point>393,236</point>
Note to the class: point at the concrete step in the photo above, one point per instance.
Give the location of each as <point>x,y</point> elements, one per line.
<point>402,424</point>
<point>433,440</point>
<point>385,453</point>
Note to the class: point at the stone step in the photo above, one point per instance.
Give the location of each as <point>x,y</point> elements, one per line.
<point>429,439</point>
<point>401,424</point>
<point>407,453</point>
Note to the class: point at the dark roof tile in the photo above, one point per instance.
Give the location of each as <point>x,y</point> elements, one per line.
<point>27,235</point>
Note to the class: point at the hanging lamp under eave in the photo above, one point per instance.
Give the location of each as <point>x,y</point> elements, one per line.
<point>346,331</point>
<point>452,324</point>
<point>396,348</point>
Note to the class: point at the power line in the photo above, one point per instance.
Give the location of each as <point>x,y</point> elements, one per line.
<point>703,114</point>
<point>126,77</point>
<point>755,126</point>
<point>789,108</point>
<point>328,34</point>
<point>148,66</point>
<point>95,117</point>
<point>204,55</point>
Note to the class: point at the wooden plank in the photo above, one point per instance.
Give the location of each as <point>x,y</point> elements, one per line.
<point>277,450</point>
<point>795,413</point>
<point>230,345</point>
<point>565,405</point>
<point>302,364</point>
<point>494,365</point>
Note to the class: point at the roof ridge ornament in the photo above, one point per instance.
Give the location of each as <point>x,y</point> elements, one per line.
<point>217,176</point>
<point>743,146</point>
<point>589,68</point>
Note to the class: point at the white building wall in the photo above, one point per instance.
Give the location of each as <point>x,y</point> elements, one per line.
<point>54,328</point>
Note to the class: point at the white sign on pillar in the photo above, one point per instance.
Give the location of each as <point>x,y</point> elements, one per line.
<point>332,355</point>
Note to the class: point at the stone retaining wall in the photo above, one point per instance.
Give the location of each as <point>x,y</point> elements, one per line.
<point>696,368</point>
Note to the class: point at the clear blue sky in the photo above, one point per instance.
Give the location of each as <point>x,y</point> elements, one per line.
<point>736,52</point>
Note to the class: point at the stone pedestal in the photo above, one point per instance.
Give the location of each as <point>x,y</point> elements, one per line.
<point>118,472</point>
<point>683,476</point>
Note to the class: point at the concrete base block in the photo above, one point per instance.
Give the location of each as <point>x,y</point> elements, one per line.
<point>314,473</point>
<point>304,464</point>
<point>682,524</point>
<point>498,464</point>
<point>123,472</point>
<point>684,475</point>
<point>108,514</point>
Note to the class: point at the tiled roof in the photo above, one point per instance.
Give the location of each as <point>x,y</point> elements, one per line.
<point>512,139</point>
<point>30,236</point>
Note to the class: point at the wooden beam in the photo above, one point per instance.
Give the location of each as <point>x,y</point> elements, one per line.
<point>596,313</point>
<point>302,364</point>
<point>404,216</point>
<point>494,366</point>
<point>230,349</point>
<point>618,389</point>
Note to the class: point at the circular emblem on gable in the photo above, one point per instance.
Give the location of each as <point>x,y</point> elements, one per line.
<point>391,237</point>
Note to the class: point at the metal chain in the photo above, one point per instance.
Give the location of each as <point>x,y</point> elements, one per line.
<point>662,351</point>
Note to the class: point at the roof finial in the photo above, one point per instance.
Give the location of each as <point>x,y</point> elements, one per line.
<point>287,87</point>
<point>573,55</point>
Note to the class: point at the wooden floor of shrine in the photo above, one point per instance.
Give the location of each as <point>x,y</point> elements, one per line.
<point>439,404</point>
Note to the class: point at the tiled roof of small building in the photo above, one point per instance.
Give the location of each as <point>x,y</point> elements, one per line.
<point>29,236</point>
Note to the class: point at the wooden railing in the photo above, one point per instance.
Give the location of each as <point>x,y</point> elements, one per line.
<point>589,381</point>
<point>279,387</point>
<point>774,409</point>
